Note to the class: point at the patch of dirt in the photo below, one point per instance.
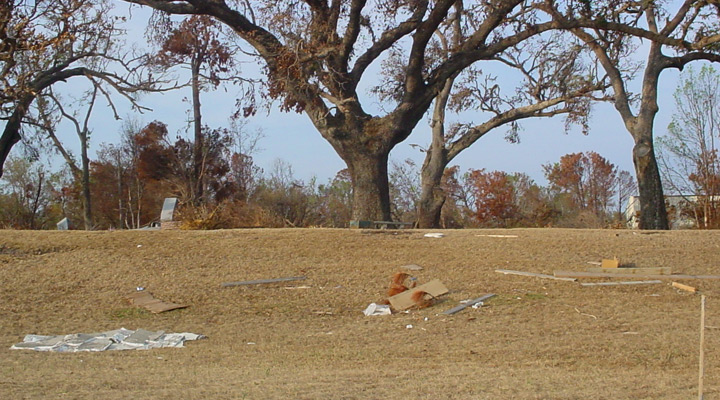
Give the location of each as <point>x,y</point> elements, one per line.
<point>536,339</point>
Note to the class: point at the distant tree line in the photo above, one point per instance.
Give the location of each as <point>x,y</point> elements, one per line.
<point>130,180</point>
<point>554,57</point>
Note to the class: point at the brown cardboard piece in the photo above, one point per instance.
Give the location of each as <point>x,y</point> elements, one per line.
<point>403,301</point>
<point>147,301</point>
<point>614,263</point>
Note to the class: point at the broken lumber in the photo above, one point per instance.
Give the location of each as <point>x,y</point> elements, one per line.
<point>620,283</point>
<point>468,304</point>
<point>150,303</point>
<point>684,287</point>
<point>544,276</point>
<point>634,271</point>
<point>575,274</point>
<point>262,281</point>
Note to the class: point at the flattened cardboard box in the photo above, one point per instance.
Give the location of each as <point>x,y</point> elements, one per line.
<point>147,301</point>
<point>403,301</point>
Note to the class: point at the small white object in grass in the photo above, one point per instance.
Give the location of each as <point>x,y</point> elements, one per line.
<point>477,305</point>
<point>250,342</point>
<point>435,235</point>
<point>139,246</point>
<point>139,288</point>
<point>408,326</point>
<point>377,309</point>
<point>427,319</point>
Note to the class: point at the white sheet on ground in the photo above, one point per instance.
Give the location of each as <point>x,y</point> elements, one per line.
<point>119,339</point>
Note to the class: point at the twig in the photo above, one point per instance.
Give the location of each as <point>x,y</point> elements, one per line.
<point>587,315</point>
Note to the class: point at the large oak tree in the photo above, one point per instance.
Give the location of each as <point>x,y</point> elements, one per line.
<point>316,53</point>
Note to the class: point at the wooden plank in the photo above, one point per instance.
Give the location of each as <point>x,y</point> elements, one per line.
<point>620,283</point>
<point>468,304</point>
<point>634,271</point>
<point>544,276</point>
<point>262,281</point>
<point>575,274</point>
<point>684,287</point>
<point>147,301</point>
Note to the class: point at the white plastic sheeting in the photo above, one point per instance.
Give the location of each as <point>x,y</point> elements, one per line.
<point>119,339</point>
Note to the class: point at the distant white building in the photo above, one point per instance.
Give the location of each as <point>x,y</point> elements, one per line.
<point>675,205</point>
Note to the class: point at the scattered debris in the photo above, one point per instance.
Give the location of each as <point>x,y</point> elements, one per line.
<point>262,281</point>
<point>412,267</point>
<point>498,236</point>
<point>634,271</point>
<point>574,274</point>
<point>408,326</point>
<point>409,298</point>
<point>146,300</point>
<point>377,309</point>
<point>401,282</point>
<point>470,303</point>
<point>594,263</point>
<point>544,276</point>
<point>120,339</point>
<point>297,287</point>
<point>435,235</point>
<point>620,283</point>
<point>684,287</point>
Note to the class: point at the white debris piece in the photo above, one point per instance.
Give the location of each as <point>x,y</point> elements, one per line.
<point>377,309</point>
<point>120,339</point>
<point>435,235</point>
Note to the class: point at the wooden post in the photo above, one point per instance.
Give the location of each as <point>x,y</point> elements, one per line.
<point>702,348</point>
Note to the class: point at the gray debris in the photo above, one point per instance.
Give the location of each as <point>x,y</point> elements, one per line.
<point>119,339</point>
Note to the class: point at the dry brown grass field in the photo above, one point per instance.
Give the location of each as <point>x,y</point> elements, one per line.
<point>537,339</point>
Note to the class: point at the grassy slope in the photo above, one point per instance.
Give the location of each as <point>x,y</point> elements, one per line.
<point>538,339</point>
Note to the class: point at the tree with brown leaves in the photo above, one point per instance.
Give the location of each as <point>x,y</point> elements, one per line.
<point>317,52</point>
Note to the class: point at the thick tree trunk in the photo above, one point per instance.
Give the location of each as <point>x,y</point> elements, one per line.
<point>432,196</point>
<point>371,194</point>
<point>652,201</point>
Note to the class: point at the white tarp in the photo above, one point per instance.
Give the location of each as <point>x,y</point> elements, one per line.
<point>119,339</point>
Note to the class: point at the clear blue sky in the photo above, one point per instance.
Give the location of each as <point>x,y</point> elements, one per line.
<point>292,138</point>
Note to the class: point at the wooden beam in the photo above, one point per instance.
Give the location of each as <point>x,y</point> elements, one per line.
<point>634,271</point>
<point>468,304</point>
<point>575,274</point>
<point>261,281</point>
<point>544,276</point>
<point>684,287</point>
<point>620,283</point>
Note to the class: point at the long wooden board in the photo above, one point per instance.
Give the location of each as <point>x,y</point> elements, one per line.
<point>620,283</point>
<point>261,281</point>
<point>523,273</point>
<point>575,274</point>
<point>468,304</point>
<point>634,271</point>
